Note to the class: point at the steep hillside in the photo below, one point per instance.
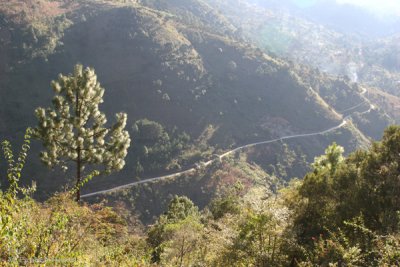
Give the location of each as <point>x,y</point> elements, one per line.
<point>382,68</point>
<point>186,71</point>
<point>291,34</point>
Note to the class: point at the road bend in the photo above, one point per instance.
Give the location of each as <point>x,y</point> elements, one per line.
<point>220,157</point>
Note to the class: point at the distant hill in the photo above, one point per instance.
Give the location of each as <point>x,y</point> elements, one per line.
<point>342,17</point>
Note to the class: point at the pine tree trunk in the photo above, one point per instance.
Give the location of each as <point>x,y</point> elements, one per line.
<point>78,150</point>
<point>78,176</point>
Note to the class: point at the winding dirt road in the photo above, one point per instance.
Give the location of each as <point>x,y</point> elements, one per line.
<point>220,157</point>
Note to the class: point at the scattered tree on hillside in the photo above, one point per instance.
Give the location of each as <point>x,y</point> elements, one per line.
<point>155,147</point>
<point>74,129</point>
<point>175,233</point>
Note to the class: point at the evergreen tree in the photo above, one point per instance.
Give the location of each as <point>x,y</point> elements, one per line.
<point>74,129</point>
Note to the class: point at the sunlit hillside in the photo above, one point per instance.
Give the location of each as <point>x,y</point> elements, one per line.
<point>199,133</point>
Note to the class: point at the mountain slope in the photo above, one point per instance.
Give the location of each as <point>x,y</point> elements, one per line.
<point>290,34</point>
<point>157,64</point>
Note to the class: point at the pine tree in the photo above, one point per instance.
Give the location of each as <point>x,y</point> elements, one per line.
<point>74,129</point>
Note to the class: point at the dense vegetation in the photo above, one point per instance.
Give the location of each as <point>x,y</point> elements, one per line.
<point>194,81</point>
<point>181,64</point>
<point>345,212</point>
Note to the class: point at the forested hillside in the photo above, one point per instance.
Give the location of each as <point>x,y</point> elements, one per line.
<point>174,63</point>
<point>344,212</point>
<point>186,127</point>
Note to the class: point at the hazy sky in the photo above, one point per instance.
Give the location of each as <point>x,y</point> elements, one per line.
<point>381,7</point>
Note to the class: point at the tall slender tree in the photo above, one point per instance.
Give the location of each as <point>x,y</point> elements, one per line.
<point>74,129</point>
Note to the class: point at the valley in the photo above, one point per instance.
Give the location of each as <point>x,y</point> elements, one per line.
<point>199,133</point>
<point>203,164</point>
